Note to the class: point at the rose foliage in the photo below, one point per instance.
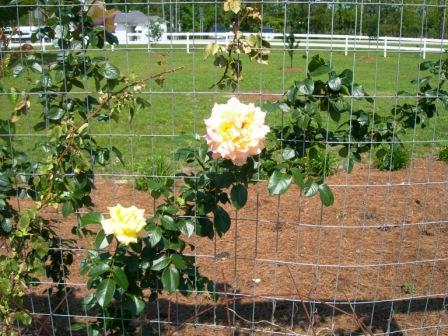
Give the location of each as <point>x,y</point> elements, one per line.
<point>134,257</point>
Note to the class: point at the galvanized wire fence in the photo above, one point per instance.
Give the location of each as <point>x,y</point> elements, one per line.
<point>380,253</point>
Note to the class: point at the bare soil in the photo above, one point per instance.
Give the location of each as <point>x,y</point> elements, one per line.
<point>379,252</point>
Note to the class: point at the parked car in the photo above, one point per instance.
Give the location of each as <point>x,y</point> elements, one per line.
<point>268,33</point>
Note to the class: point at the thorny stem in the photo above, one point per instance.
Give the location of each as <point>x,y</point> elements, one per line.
<point>75,129</point>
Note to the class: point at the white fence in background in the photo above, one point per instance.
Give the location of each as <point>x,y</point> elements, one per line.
<point>307,42</point>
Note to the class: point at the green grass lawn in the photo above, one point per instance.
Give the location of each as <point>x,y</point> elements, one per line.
<point>185,99</point>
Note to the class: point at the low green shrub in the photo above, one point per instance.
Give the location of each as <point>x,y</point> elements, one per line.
<point>323,163</point>
<point>443,154</point>
<point>394,157</point>
<point>153,175</point>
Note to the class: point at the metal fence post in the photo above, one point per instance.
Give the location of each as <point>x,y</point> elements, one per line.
<point>346,45</point>
<point>188,42</point>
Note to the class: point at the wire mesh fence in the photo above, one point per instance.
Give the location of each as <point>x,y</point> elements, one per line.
<point>373,263</point>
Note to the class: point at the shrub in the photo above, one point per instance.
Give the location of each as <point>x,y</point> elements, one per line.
<point>443,154</point>
<point>323,163</point>
<point>153,174</point>
<point>392,158</point>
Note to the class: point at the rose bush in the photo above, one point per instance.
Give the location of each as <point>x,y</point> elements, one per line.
<point>154,254</point>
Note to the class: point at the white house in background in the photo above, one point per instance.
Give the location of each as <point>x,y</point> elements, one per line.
<point>134,27</point>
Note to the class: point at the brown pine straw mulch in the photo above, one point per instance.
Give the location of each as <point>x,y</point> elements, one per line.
<point>380,252</point>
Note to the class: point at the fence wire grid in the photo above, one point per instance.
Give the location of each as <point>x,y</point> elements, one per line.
<point>379,253</point>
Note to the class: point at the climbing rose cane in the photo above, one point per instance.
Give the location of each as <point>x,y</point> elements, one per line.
<point>236,131</point>
<point>124,223</point>
<point>102,17</point>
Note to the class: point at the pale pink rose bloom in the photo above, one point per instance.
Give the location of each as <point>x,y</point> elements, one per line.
<point>236,131</point>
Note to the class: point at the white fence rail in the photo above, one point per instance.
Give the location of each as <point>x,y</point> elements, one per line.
<point>310,42</point>
<point>307,42</point>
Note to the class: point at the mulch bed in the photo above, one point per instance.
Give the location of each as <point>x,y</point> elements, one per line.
<point>384,239</point>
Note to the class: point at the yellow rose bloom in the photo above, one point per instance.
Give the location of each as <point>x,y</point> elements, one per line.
<point>236,131</point>
<point>124,223</point>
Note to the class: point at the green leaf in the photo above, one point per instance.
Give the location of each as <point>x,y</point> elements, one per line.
<point>310,188</point>
<point>169,223</point>
<point>154,234</point>
<point>67,208</point>
<point>358,91</point>
<point>170,279</point>
<point>346,77</point>
<point>18,70</point>
<point>136,304</point>
<point>187,228</point>
<point>92,330</point>
<point>224,180</point>
<point>77,326</point>
<point>279,183</point>
<point>98,270</point>
<point>298,177</point>
<point>118,154</point>
<point>101,240</point>
<point>306,86</point>
<point>40,245</point>
<point>90,218</point>
<point>326,195</point>
<point>221,221</point>
<point>55,113</point>
<point>183,154</point>
<point>120,278</point>
<point>288,153</point>
<point>160,263</point>
<point>238,196</point>
<point>335,83</point>
<point>109,71</point>
<point>318,66</point>
<point>179,261</point>
<point>348,164</point>
<point>36,67</point>
<point>105,292</point>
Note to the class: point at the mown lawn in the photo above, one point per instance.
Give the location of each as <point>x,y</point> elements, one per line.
<point>185,99</point>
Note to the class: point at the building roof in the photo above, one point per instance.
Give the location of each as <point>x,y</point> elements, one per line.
<point>135,17</point>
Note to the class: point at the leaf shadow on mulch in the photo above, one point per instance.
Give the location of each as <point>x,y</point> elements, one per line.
<point>249,316</point>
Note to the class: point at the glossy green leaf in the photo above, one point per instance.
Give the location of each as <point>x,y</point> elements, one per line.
<point>98,270</point>
<point>326,195</point>
<point>179,261</point>
<point>306,86</point>
<point>120,278</point>
<point>154,234</point>
<point>297,177</point>
<point>160,263</point>
<point>238,196</point>
<point>136,304</point>
<point>101,240</point>
<point>18,70</point>
<point>187,228</point>
<point>169,223</point>
<point>67,208</point>
<point>109,71</point>
<point>310,188</point>
<point>105,292</point>
<point>170,279</point>
<point>279,183</point>
<point>221,221</point>
<point>90,218</point>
